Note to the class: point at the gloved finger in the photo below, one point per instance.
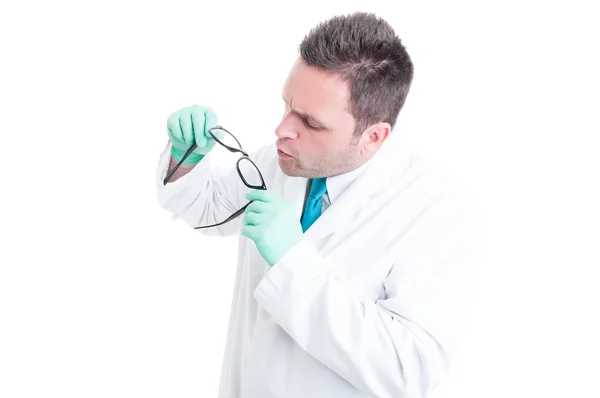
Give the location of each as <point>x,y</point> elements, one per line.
<point>173,129</point>
<point>250,231</point>
<point>262,195</point>
<point>199,122</point>
<point>210,121</point>
<point>185,122</point>
<point>258,207</point>
<point>252,218</point>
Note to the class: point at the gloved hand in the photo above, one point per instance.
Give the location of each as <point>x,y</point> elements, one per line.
<point>188,126</point>
<point>271,222</point>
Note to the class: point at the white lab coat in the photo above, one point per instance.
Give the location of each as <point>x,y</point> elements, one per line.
<point>370,303</point>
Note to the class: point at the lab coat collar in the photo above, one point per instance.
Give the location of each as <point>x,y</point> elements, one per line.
<point>389,162</point>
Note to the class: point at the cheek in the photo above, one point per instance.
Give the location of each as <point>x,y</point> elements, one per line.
<point>331,143</point>
<point>325,147</point>
<point>325,151</point>
<point>315,145</point>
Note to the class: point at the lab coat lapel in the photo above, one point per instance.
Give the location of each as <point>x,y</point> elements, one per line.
<point>346,208</point>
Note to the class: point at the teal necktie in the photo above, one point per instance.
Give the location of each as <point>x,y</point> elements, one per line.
<point>314,204</point>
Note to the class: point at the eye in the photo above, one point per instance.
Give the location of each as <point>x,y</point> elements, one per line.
<point>307,124</point>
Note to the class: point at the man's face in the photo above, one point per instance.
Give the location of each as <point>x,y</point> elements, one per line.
<point>316,132</point>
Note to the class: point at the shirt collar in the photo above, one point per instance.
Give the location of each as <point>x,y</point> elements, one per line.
<point>336,185</point>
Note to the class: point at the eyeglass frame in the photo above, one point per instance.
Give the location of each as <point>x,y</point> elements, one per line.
<point>230,149</point>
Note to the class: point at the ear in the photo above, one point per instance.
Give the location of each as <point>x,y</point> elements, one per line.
<point>374,137</point>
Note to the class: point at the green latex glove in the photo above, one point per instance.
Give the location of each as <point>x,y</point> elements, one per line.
<point>271,222</point>
<point>188,126</point>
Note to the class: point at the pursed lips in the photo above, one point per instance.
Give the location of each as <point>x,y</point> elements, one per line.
<point>283,151</point>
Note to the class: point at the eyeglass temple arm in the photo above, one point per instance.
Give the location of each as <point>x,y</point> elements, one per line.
<point>231,217</point>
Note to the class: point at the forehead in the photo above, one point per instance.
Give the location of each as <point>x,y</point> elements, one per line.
<point>313,90</point>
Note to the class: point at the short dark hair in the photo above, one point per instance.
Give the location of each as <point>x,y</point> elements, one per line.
<point>365,51</point>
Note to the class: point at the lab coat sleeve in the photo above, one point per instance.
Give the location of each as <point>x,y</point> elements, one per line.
<point>206,195</point>
<point>400,345</point>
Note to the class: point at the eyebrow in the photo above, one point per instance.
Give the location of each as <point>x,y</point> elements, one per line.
<point>309,118</point>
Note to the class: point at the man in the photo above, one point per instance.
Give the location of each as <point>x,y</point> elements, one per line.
<point>354,263</point>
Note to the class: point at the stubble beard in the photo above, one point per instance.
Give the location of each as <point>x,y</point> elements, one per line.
<point>343,163</point>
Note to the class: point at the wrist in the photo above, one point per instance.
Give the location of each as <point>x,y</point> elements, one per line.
<point>193,158</point>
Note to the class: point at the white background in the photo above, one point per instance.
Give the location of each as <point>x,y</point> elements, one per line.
<point>102,294</point>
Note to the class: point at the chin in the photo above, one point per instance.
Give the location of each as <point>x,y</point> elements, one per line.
<point>295,170</point>
<point>285,168</point>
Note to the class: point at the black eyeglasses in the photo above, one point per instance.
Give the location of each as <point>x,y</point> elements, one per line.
<point>247,170</point>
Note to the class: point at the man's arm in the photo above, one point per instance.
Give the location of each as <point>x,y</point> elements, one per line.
<point>200,194</point>
<point>399,346</point>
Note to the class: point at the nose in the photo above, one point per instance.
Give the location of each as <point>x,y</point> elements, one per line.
<point>286,128</point>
